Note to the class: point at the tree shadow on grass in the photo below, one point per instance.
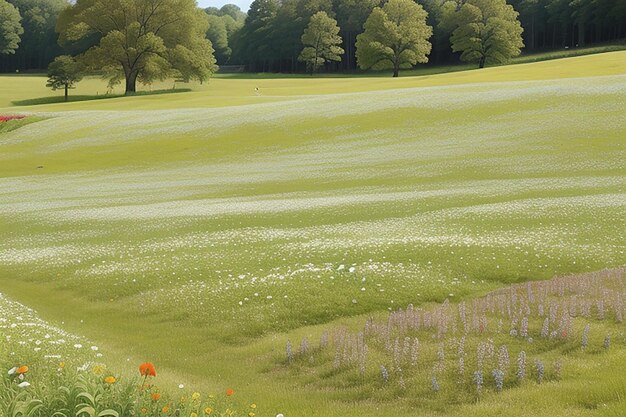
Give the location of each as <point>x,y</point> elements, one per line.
<point>75,98</point>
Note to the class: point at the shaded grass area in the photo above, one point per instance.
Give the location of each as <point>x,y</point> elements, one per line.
<point>78,98</point>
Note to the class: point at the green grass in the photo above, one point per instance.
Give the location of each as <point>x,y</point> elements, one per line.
<point>154,217</point>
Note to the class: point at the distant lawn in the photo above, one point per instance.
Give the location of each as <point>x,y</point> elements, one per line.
<point>568,53</point>
<point>226,91</point>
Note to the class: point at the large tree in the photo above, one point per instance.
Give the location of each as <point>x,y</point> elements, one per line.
<point>351,15</point>
<point>218,35</point>
<point>321,42</point>
<point>253,43</point>
<point>486,32</point>
<point>223,23</point>
<point>143,40</point>
<point>396,36</point>
<point>10,28</point>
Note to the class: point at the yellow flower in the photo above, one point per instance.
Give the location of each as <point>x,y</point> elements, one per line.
<point>193,415</point>
<point>110,380</point>
<point>98,370</point>
<point>252,406</point>
<point>144,410</point>
<point>195,396</point>
<point>62,365</point>
<point>208,410</point>
<point>251,414</point>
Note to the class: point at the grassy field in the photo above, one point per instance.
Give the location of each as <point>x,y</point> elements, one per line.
<point>201,230</point>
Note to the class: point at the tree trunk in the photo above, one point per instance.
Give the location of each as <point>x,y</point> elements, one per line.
<point>396,71</point>
<point>66,87</point>
<point>581,34</point>
<point>131,83</point>
<point>481,62</point>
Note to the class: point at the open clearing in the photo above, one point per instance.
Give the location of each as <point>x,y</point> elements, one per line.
<point>200,230</point>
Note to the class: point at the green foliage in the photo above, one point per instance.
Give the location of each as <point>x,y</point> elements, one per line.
<point>395,37</point>
<point>223,23</point>
<point>10,28</point>
<point>218,35</point>
<point>321,42</point>
<point>145,40</point>
<point>253,41</point>
<point>64,72</point>
<point>39,43</point>
<point>94,391</point>
<point>486,32</point>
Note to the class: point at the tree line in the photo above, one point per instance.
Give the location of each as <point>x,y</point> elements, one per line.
<point>134,41</point>
<point>270,37</point>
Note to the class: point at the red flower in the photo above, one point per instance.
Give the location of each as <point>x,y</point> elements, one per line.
<point>147,369</point>
<point>11,117</point>
<point>229,392</point>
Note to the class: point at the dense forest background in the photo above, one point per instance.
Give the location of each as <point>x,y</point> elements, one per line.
<point>268,37</point>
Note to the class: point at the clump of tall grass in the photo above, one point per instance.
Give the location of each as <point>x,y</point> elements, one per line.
<point>94,390</point>
<point>429,349</point>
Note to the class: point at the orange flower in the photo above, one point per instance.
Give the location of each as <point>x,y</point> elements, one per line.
<point>229,392</point>
<point>147,369</point>
<point>156,396</point>
<point>21,370</point>
<point>110,380</point>
<point>165,409</point>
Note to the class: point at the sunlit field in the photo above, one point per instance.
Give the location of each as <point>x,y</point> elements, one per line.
<point>211,231</point>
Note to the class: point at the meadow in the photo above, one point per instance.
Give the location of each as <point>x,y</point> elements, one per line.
<point>203,230</point>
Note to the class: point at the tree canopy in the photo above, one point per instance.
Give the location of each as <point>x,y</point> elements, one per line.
<point>396,36</point>
<point>39,43</point>
<point>321,42</point>
<point>10,28</point>
<point>223,23</point>
<point>141,40</point>
<point>64,72</point>
<point>486,32</point>
<point>268,37</point>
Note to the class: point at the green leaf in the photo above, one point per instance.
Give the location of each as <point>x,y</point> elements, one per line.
<point>88,397</point>
<point>109,413</point>
<point>32,407</point>
<point>90,411</point>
